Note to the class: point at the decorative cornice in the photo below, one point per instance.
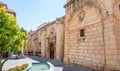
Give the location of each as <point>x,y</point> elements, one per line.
<point>70,2</point>
<point>80,4</point>
<point>50,23</point>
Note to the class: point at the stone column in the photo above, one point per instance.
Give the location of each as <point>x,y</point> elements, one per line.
<point>47,48</point>
<point>66,50</point>
<point>43,43</point>
<point>110,37</point>
<point>60,42</point>
<point>32,46</point>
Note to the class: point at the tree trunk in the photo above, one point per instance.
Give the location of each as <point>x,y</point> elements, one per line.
<point>0,59</point>
<point>22,47</point>
<point>1,64</point>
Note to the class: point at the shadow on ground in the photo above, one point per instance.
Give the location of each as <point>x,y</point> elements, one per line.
<point>60,64</point>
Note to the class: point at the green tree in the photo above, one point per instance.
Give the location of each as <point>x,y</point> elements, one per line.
<point>24,38</point>
<point>10,35</point>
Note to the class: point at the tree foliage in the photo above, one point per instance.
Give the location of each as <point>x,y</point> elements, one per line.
<point>8,30</point>
<point>11,35</point>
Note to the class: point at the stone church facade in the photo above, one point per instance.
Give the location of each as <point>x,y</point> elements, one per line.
<point>48,40</point>
<point>88,35</point>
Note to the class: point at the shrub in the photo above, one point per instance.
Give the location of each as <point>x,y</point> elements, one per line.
<point>19,68</point>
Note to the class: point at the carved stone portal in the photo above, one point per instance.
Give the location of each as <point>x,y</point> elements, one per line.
<point>52,50</point>
<point>52,43</point>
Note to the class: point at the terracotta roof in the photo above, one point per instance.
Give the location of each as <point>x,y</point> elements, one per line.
<point>3,3</point>
<point>11,11</point>
<point>8,10</point>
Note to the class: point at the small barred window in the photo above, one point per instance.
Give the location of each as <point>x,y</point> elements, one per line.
<point>119,7</point>
<point>82,33</point>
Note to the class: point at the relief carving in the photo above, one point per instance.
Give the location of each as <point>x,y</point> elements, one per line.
<point>52,36</point>
<point>81,15</point>
<point>84,3</point>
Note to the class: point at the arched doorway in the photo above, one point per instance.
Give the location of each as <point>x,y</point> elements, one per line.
<point>52,51</point>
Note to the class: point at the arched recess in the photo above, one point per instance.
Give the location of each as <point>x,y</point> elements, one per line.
<point>86,4</point>
<point>90,3</point>
<point>51,43</point>
<point>52,50</point>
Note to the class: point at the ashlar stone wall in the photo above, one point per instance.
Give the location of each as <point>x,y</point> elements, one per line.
<point>92,34</point>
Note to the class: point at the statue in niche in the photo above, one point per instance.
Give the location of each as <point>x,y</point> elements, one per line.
<point>52,36</point>
<point>81,15</point>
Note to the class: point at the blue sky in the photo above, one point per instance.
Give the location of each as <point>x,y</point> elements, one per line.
<point>32,13</point>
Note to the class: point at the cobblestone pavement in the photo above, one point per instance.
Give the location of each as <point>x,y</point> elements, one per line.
<point>60,66</point>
